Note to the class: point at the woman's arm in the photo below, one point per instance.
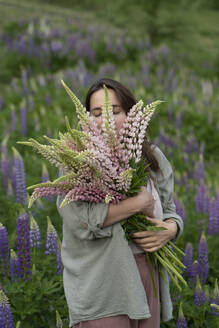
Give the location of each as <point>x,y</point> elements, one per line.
<point>89,221</point>
<point>142,202</point>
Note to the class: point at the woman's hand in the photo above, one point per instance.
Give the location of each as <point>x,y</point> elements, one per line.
<point>151,241</point>
<point>146,202</point>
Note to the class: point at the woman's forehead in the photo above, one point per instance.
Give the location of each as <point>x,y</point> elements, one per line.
<point>97,98</point>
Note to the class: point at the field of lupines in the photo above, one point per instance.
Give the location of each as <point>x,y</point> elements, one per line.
<point>33,103</point>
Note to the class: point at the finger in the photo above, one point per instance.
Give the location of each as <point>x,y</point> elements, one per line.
<point>141,234</point>
<point>144,234</point>
<point>148,241</point>
<point>151,250</point>
<point>155,221</point>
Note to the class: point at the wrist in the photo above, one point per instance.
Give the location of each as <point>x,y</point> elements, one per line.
<point>137,202</point>
<point>173,228</point>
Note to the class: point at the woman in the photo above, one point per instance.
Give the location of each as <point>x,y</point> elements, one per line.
<point>107,282</point>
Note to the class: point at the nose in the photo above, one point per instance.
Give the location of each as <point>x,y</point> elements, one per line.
<point>99,121</point>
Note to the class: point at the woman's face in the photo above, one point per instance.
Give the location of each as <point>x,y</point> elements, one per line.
<point>96,105</point>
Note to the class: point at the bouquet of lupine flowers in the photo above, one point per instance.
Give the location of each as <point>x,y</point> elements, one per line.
<point>100,166</point>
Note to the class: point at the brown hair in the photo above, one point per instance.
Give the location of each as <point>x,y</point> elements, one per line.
<point>127,100</point>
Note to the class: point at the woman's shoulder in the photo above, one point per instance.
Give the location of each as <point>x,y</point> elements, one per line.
<point>160,157</point>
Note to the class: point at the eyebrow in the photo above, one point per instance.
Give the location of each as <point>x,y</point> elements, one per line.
<point>98,108</point>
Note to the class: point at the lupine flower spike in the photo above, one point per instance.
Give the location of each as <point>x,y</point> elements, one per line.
<point>15,266</point>
<point>215,299</point>
<point>51,240</point>
<point>195,271</point>
<point>199,293</point>
<point>181,321</point>
<point>58,257</point>
<point>35,236</point>
<point>203,258</point>
<point>6,319</point>
<point>5,165</point>
<point>21,196</point>
<point>23,244</point>
<point>4,250</point>
<point>188,259</point>
<point>215,308</point>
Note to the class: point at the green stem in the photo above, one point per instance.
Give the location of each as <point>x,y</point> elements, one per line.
<point>171,254</point>
<point>166,259</point>
<point>176,248</point>
<point>168,271</point>
<point>170,266</point>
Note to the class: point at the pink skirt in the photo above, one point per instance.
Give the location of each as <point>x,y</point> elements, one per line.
<point>123,321</point>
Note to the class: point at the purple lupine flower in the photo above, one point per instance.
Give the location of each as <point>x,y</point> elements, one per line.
<point>212,220</point>
<point>35,236</point>
<point>199,298</point>
<point>181,320</point>
<point>23,120</point>
<point>203,258</point>
<point>84,49</point>
<point>217,211</point>
<point>179,119</point>
<point>23,244</point>
<point>180,209</point>
<point>4,171</point>
<point>200,172</point>
<point>215,299</point>
<point>206,203</point>
<point>15,266</point>
<point>215,309</point>
<point>201,198</point>
<point>5,163</point>
<point>21,196</point>
<point>24,80</point>
<point>13,125</point>
<point>191,145</point>
<point>51,240</point>
<point>195,271</point>
<point>188,259</point>
<point>4,250</point>
<point>6,319</point>
<point>56,46</point>
<point>58,258</point>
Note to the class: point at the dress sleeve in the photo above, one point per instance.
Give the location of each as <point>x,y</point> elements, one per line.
<point>84,219</point>
<point>165,185</point>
